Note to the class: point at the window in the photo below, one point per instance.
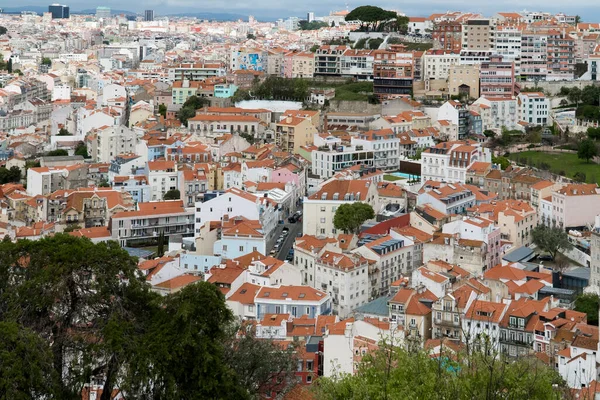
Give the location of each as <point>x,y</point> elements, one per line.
<point>241,248</point>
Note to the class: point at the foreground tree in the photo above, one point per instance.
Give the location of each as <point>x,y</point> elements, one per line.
<point>551,239</point>
<point>349,217</point>
<point>587,150</point>
<point>396,373</point>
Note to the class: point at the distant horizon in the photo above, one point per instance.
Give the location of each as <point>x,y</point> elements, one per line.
<point>266,10</point>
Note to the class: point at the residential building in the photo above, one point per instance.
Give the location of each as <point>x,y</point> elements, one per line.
<point>534,108</point>
<point>105,143</point>
<point>328,60</point>
<point>216,125</point>
<point>411,310</point>
<point>322,205</point>
<point>298,301</point>
<point>150,220</point>
<point>481,324</point>
<point>291,133</point>
<point>576,205</point>
<point>162,177</point>
<point>449,35</point>
<point>437,64</point>
<point>450,161</point>
<point>497,78</point>
<point>497,113</point>
<point>46,180</point>
<point>463,80</point>
<point>384,145</point>
<point>446,198</point>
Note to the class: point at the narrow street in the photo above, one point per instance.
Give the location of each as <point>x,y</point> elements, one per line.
<point>294,228</point>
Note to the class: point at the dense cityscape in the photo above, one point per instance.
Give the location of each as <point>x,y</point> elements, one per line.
<point>364,204</point>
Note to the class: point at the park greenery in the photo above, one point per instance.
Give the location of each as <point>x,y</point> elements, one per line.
<point>162,110</point>
<point>64,132</point>
<point>565,164</point>
<point>57,152</point>
<point>587,150</point>
<point>551,239</point>
<point>349,217</point>
<point>394,372</point>
<point>586,101</point>
<point>72,311</point>
<point>188,109</point>
<point>366,43</point>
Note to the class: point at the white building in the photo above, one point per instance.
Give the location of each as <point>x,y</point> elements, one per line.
<point>105,144</point>
<point>385,147</point>
<point>447,198</point>
<point>320,208</point>
<point>436,64</point>
<point>497,113</point>
<point>449,161</point>
<point>162,177</point>
<point>534,108</point>
<point>481,321</point>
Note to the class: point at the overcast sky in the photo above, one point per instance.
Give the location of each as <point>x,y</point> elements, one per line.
<point>588,9</point>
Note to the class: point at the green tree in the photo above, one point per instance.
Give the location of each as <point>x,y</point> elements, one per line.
<point>9,66</point>
<point>588,303</point>
<point>593,133</point>
<point>25,364</point>
<point>313,25</point>
<point>397,372</point>
<point>574,95</point>
<point>173,194</point>
<point>185,113</point>
<point>503,161</point>
<point>564,91</point>
<point>250,36</point>
<point>188,109</point>
<point>370,16</point>
<point>580,176</point>
<point>349,217</point>
<point>81,150</point>
<point>162,110</point>
<point>71,227</point>
<point>10,175</point>
<point>65,289</point>
<point>489,133</point>
<point>587,150</point>
<point>64,132</point>
<point>3,30</point>
<point>195,319</point>
<point>551,239</point>
<point>46,61</point>
<point>59,152</point>
<point>314,48</point>
<point>160,245</point>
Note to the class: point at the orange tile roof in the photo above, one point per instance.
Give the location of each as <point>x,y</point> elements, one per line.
<point>245,294</point>
<point>300,293</point>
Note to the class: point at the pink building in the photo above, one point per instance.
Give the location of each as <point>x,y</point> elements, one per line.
<point>497,78</point>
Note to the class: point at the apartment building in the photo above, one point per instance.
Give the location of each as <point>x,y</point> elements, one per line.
<point>46,180</point>
<point>497,112</point>
<point>328,60</point>
<point>299,65</point>
<point>561,56</point>
<point>322,205</point>
<point>297,301</point>
<point>482,320</point>
<point>291,133</point>
<point>534,56</point>
<point>105,143</point>
<point>195,72</point>
<point>516,219</point>
<point>449,35</point>
<point>576,205</point>
<point>436,64</point>
<point>478,34</point>
<point>508,45</point>
<point>497,78</point>
<point>215,125</point>
<point>162,176</point>
<point>384,145</point>
<point>357,64</point>
<point>410,309</point>
<point>446,198</point>
<point>450,161</point>
<point>534,108</point>
<point>392,74</point>
<point>478,229</point>
<point>150,220</point>
<point>327,160</point>
<point>345,277</point>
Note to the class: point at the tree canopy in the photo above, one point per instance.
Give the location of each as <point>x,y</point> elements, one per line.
<point>349,217</point>
<point>59,152</point>
<point>172,195</point>
<point>64,132</point>
<point>10,175</point>
<point>370,16</point>
<point>188,109</point>
<point>587,150</point>
<point>399,373</point>
<point>588,303</point>
<point>72,310</point>
<point>3,30</point>
<point>81,150</point>
<point>312,25</point>
<point>551,239</point>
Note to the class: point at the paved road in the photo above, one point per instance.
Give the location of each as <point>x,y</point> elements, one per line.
<point>289,240</point>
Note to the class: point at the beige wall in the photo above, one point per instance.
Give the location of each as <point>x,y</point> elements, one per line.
<point>464,74</point>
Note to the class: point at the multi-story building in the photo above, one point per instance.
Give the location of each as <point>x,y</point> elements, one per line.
<point>392,258</point>
<point>357,64</point>
<point>59,11</point>
<point>162,176</point>
<point>515,218</point>
<point>216,125</point>
<point>299,65</point>
<point>497,113</point>
<point>561,56</point>
<point>328,60</point>
<point>436,64</point>
<point>391,80</point>
<point>449,35</point>
<point>534,108</point>
<point>534,56</point>
<point>384,145</point>
<point>497,78</point>
<point>463,80</point>
<point>447,198</point>
<point>450,161</point>
<point>291,133</point>
<point>46,180</point>
<point>519,324</point>
<point>410,309</point>
<point>298,301</point>
<point>322,205</point>
<point>478,34</point>
<point>508,45</point>
<point>249,59</point>
<point>327,160</point>
<point>481,324</point>
<point>150,220</point>
<point>196,72</point>
<point>345,277</point>
<point>105,144</point>
<point>183,90</point>
<point>576,205</point>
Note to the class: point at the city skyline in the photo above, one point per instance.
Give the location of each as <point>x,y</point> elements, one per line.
<point>271,10</point>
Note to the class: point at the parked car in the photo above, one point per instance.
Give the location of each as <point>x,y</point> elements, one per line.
<point>545,257</point>
<point>292,220</point>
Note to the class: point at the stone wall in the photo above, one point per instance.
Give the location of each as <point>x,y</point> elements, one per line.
<point>553,87</point>
<point>361,107</point>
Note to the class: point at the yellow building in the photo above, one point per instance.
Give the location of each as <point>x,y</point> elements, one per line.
<point>293,132</point>
<point>464,79</point>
